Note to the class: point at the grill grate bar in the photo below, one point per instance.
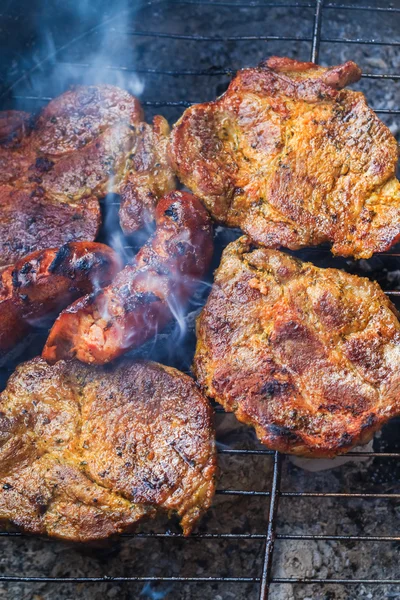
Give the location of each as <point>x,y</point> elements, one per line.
<point>316,39</point>
<point>242,536</point>
<point>344,538</point>
<point>272,517</point>
<point>267,494</point>
<point>337,581</point>
<point>258,38</point>
<point>211,72</point>
<point>271,452</point>
<point>208,38</point>
<point>334,6</point>
<point>247,4</point>
<point>328,6</point>
<point>108,579</point>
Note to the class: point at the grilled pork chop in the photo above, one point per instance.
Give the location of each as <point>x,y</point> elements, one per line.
<point>85,143</point>
<point>39,285</point>
<point>294,159</point>
<point>87,452</point>
<point>309,357</point>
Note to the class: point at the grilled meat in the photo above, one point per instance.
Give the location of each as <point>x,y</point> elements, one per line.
<point>29,222</point>
<point>310,357</point>
<point>77,117</point>
<point>42,283</point>
<point>147,176</point>
<point>143,297</point>
<point>294,159</point>
<point>87,452</point>
<point>84,144</point>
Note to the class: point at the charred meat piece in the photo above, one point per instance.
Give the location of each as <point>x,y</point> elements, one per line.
<point>44,282</point>
<point>143,297</point>
<point>86,143</point>
<point>309,357</point>
<point>294,159</point>
<point>87,452</point>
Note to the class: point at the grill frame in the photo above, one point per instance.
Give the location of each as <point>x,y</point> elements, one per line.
<point>265,580</point>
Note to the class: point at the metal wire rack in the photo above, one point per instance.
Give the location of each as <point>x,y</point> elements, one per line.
<point>266,578</point>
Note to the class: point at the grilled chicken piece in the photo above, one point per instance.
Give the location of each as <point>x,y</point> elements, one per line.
<point>86,143</point>
<point>87,452</point>
<point>309,357</point>
<point>294,159</point>
<point>39,285</point>
<point>144,296</point>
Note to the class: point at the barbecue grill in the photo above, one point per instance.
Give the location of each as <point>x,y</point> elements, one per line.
<point>276,531</point>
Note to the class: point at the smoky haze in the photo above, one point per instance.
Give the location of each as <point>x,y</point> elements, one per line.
<point>57,44</point>
<point>61,45</point>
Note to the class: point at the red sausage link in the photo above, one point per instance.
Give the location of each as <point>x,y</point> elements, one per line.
<point>44,282</point>
<point>100,327</point>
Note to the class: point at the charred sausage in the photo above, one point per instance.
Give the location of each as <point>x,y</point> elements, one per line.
<point>46,281</point>
<point>101,326</point>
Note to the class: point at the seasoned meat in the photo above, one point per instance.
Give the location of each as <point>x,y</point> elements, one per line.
<point>86,143</point>
<point>42,283</point>
<point>79,116</point>
<point>310,357</point>
<point>143,297</point>
<point>87,452</point>
<point>294,159</point>
<point>29,221</point>
<point>147,176</point>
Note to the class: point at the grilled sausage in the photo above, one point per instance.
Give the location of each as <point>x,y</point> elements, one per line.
<point>46,281</point>
<point>102,326</point>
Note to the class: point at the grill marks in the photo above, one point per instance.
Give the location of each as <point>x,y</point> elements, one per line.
<point>315,353</point>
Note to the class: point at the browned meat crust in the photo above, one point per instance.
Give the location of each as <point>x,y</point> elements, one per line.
<point>29,222</point>
<point>86,453</point>
<point>84,144</point>
<point>310,357</point>
<point>293,159</point>
<point>79,116</point>
<point>100,327</point>
<point>147,177</point>
<point>42,283</point>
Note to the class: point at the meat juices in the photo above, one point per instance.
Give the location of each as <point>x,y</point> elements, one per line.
<point>100,327</point>
<point>309,357</point>
<point>88,452</point>
<point>39,285</point>
<point>86,143</point>
<point>293,159</point>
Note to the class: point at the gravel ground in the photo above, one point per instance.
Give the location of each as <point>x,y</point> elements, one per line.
<point>32,33</point>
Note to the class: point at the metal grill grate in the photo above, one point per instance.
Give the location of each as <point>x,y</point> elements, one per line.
<point>266,579</point>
